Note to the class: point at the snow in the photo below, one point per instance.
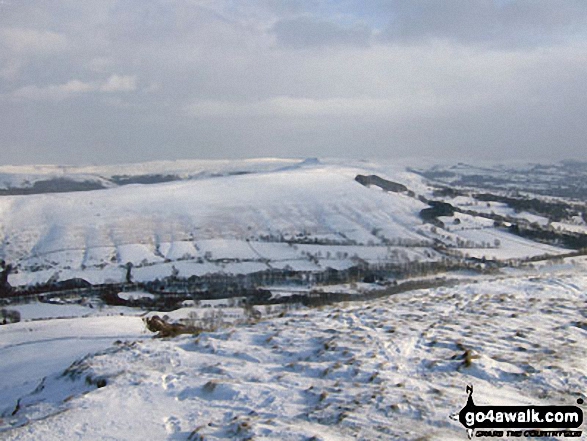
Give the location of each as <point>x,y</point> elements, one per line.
<point>213,220</point>
<point>134,295</point>
<point>208,218</point>
<point>387,369</point>
<point>227,249</point>
<point>304,265</point>
<point>243,267</point>
<point>532,218</point>
<point>565,226</point>
<point>33,350</point>
<point>178,250</point>
<point>392,368</point>
<point>108,274</point>
<point>510,246</point>
<point>466,222</point>
<point>275,251</point>
<point>137,254</point>
<point>26,175</point>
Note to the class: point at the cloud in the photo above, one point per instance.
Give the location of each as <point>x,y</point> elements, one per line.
<point>285,106</point>
<point>100,64</point>
<point>305,32</point>
<point>395,81</point>
<point>19,46</point>
<point>32,41</point>
<point>53,91</point>
<point>10,70</point>
<point>58,92</point>
<point>119,83</point>
<point>297,77</point>
<point>503,23</point>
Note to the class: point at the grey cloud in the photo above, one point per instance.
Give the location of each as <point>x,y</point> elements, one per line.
<point>304,32</point>
<point>132,22</point>
<point>130,80</point>
<point>115,83</point>
<point>26,41</point>
<point>290,6</point>
<point>503,23</point>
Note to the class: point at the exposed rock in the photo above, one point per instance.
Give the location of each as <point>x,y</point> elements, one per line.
<point>384,184</point>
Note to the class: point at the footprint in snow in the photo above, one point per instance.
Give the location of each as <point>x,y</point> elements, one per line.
<point>172,424</point>
<point>169,381</point>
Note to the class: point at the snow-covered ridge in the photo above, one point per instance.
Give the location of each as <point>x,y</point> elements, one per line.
<point>32,179</point>
<point>235,222</point>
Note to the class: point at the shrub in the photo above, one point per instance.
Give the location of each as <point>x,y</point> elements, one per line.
<point>9,316</point>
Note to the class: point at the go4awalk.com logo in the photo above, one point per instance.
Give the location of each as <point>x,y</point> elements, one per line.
<point>519,421</point>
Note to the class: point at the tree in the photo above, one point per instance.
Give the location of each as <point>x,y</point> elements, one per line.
<point>9,316</point>
<point>5,287</point>
<point>128,272</point>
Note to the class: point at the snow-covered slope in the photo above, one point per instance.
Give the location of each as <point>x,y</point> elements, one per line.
<point>146,224</point>
<point>390,369</point>
<point>26,176</point>
<point>318,199</point>
<point>230,212</point>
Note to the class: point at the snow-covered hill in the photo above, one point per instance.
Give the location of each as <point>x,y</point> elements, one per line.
<point>232,217</point>
<point>391,369</point>
<point>36,178</point>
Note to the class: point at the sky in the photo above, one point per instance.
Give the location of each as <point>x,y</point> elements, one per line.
<point>114,81</point>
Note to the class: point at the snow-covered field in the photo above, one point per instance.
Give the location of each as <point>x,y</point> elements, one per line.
<point>31,351</point>
<point>203,221</point>
<point>233,218</point>
<point>394,368</point>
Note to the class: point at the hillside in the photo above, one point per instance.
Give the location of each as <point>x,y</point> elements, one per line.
<point>236,218</point>
<point>293,299</point>
<point>391,369</point>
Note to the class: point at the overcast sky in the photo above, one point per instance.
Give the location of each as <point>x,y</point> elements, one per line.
<point>112,81</point>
